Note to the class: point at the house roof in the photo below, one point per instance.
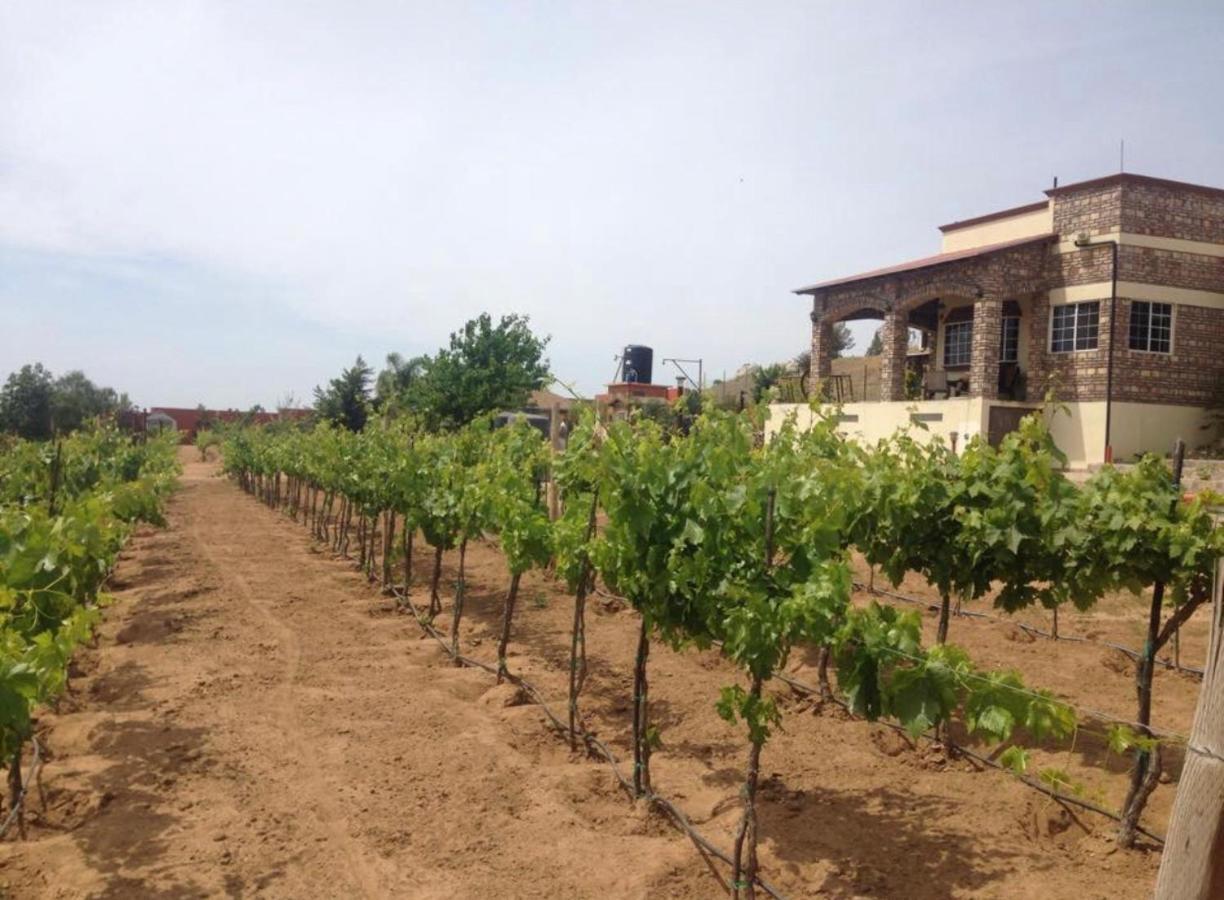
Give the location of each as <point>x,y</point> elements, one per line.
<point>930,261</point>
<point>1001,214</point>
<point>1132,178</point>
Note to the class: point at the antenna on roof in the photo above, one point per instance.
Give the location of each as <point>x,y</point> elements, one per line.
<point>1055,182</point>
<point>1122,155</point>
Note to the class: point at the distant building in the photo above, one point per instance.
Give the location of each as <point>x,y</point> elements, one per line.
<point>188,421</point>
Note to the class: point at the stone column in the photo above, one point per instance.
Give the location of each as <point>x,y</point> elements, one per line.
<point>984,362</point>
<point>894,335</point>
<point>1037,378</point>
<point>822,351</point>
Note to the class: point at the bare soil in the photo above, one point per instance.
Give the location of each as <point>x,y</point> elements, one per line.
<point>257,720</point>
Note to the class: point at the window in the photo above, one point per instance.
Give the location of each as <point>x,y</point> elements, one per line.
<point>1009,345</point>
<point>1076,326</point>
<point>958,344</point>
<point>1151,326</point>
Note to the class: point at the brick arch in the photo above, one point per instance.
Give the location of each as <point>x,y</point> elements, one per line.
<point>915,297</point>
<point>881,305</point>
<point>833,306</point>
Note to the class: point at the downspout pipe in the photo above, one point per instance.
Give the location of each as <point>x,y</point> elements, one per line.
<point>1084,243</point>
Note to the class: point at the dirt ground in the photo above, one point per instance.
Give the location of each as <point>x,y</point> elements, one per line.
<point>258,721</point>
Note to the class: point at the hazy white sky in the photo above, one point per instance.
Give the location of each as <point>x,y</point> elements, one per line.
<point>223,202</point>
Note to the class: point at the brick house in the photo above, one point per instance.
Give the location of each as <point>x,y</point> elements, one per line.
<point>1109,291</point>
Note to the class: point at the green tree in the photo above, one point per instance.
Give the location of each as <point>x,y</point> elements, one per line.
<point>75,400</point>
<point>397,386</point>
<point>346,400</point>
<point>486,368</point>
<point>26,403</point>
<point>876,347</point>
<point>765,377</point>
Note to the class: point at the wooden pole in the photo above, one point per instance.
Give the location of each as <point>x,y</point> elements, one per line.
<point>1192,866</point>
<point>554,440</point>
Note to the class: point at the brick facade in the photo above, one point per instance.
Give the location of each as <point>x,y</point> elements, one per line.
<point>1164,209</point>
<point>1191,375</point>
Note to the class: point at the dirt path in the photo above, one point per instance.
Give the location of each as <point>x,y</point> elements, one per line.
<point>256,721</point>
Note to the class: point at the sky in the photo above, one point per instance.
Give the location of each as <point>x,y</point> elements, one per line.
<point>226,202</point>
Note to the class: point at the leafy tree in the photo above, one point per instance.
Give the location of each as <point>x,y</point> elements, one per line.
<point>75,400</point>
<point>765,377</point>
<point>346,399</point>
<point>876,347</point>
<point>486,368</point>
<point>397,387</point>
<point>26,403</point>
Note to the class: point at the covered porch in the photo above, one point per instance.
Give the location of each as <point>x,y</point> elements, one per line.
<point>955,325</point>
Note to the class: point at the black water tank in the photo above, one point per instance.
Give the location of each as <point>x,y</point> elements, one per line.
<point>638,363</point>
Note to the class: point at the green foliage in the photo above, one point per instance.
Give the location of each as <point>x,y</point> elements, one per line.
<point>25,403</point>
<point>486,368</point>
<point>75,400</point>
<point>206,439</point>
<point>1132,528</point>
<point>346,399</point>
<point>577,475</point>
<point>758,713</point>
<point>512,496</point>
<point>1015,759</point>
<point>397,389</point>
<point>53,563</point>
<point>876,347</point>
<point>34,405</point>
<point>885,672</point>
<point>713,538</point>
<point>1122,738</point>
<point>718,540</point>
<point>766,377</point>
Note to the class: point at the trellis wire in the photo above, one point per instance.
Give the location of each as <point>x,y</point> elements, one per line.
<point>1031,629</point>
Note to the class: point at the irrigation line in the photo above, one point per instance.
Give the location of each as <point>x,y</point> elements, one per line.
<point>593,744</point>
<point>1031,629</point>
<point>15,812</point>
<point>810,691</point>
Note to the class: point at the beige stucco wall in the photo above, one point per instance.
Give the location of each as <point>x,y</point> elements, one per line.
<point>996,231</point>
<point>1153,428</point>
<point>1136,428</point>
<point>963,415</point>
<point>1077,428</point>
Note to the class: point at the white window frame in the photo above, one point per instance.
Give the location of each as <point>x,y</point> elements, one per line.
<point>1003,339</point>
<point>1075,327</point>
<point>947,343</point>
<point>1130,319</point>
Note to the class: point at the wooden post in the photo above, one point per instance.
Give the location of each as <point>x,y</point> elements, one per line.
<point>1192,866</point>
<point>554,439</point>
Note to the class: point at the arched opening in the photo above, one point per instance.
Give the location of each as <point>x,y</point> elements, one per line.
<point>863,375</point>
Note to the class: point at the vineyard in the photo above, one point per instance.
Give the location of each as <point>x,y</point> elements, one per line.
<point>66,509</point>
<point>782,584</point>
<point>724,545</point>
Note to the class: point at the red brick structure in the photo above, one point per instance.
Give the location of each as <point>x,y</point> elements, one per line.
<point>187,421</point>
<point>1024,300</point>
